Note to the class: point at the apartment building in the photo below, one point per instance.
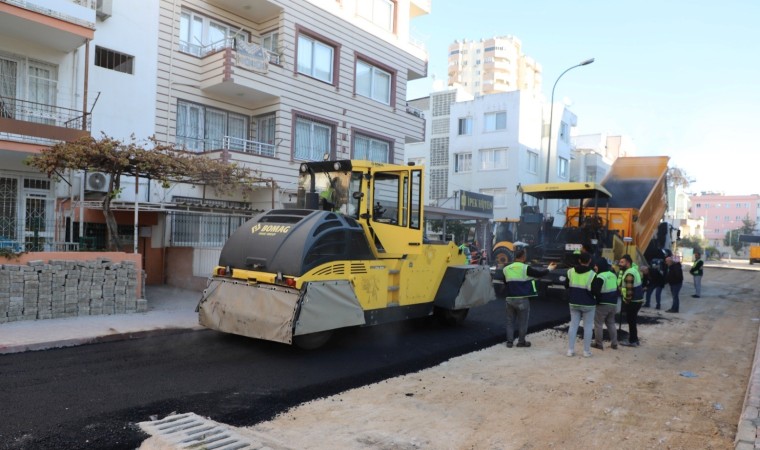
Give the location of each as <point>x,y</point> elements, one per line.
<point>262,83</point>
<point>593,155</point>
<point>724,213</point>
<point>488,145</point>
<point>42,45</point>
<point>492,65</point>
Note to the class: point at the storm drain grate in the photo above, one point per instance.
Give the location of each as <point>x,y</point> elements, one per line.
<point>191,431</point>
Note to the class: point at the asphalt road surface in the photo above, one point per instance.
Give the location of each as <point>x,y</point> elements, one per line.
<point>92,396</point>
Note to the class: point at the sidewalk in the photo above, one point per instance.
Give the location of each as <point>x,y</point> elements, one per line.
<point>170,310</point>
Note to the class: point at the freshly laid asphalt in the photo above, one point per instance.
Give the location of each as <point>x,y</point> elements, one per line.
<point>172,311</point>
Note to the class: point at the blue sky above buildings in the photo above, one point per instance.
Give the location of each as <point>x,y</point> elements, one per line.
<point>681,78</point>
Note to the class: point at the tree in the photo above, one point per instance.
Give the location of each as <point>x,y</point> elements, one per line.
<point>678,177</point>
<point>732,237</point>
<point>692,242</point>
<point>162,162</point>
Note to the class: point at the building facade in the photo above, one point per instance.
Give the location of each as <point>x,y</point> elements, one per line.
<point>724,213</point>
<point>265,84</point>
<point>492,65</point>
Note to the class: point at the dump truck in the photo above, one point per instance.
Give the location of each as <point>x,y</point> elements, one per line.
<point>351,254</point>
<point>754,249</point>
<point>634,210</point>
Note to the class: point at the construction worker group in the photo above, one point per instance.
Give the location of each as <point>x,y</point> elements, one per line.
<point>593,291</point>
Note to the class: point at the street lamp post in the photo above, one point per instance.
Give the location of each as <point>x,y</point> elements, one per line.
<point>551,119</point>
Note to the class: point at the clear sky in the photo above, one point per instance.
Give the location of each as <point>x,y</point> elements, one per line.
<point>679,77</point>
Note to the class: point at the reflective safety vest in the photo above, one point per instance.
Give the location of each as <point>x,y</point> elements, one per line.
<point>519,284</point>
<point>609,292</point>
<point>580,288</point>
<point>638,289</point>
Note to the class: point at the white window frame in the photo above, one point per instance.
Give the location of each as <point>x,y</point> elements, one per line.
<point>379,80</point>
<point>464,126</point>
<point>493,121</point>
<point>198,41</point>
<point>271,41</point>
<point>196,137</point>
<point>308,53</point>
<point>313,152</point>
<point>532,162</point>
<point>463,162</point>
<point>379,12</point>
<point>493,158</point>
<point>562,167</point>
<point>499,196</point>
<point>378,150</point>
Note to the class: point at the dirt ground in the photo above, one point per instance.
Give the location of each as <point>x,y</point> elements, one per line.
<point>537,398</point>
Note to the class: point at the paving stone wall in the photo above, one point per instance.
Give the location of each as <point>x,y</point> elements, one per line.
<point>57,288</point>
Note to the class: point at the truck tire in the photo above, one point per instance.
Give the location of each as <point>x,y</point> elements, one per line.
<point>312,341</point>
<point>503,256</point>
<point>450,317</point>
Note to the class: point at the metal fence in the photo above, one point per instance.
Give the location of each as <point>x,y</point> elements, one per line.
<point>203,230</point>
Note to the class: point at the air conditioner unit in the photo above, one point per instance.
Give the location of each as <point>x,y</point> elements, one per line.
<point>97,182</point>
<point>104,9</point>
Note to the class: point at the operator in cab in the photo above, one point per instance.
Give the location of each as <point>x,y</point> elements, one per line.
<point>328,197</point>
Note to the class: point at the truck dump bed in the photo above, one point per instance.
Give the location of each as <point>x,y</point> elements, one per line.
<point>638,201</point>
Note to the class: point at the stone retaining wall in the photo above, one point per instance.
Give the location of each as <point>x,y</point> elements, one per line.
<point>62,288</point>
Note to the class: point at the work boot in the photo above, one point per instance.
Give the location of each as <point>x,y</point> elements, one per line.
<point>695,296</point>
<point>523,344</point>
<point>509,344</point>
<point>597,345</point>
<point>614,346</point>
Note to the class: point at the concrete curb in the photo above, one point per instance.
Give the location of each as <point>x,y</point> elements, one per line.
<point>748,429</point>
<point>114,337</point>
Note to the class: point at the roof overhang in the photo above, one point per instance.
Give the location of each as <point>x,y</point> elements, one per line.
<point>565,191</point>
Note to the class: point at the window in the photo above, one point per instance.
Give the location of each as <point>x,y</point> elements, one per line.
<point>499,196</point>
<point>313,139</point>
<point>562,168</point>
<point>726,218</point>
<point>202,128</point>
<point>495,121</point>
<point>465,126</point>
<point>200,35</point>
<point>564,132</point>
<point>109,59</point>
<point>379,12</point>
<point>387,193</point>
<point>532,162</point>
<point>197,230</point>
<point>265,128</point>
<point>271,41</point>
<point>34,81</point>
<point>315,58</point>
<point>699,205</point>
<point>463,162</point>
<point>493,158</point>
<point>371,149</point>
<point>373,82</point>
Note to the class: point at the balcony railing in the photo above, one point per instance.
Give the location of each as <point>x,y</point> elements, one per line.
<point>25,111</point>
<point>227,143</point>
<point>414,111</point>
<point>203,50</point>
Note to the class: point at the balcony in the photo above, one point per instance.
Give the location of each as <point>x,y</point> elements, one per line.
<point>59,24</point>
<point>227,143</point>
<point>238,70</point>
<point>256,10</point>
<point>38,123</point>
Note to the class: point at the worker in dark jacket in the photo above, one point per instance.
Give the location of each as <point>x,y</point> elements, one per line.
<point>697,271</point>
<point>520,282</point>
<point>674,278</point>
<point>604,288</point>
<point>654,282</point>
<point>582,303</point>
